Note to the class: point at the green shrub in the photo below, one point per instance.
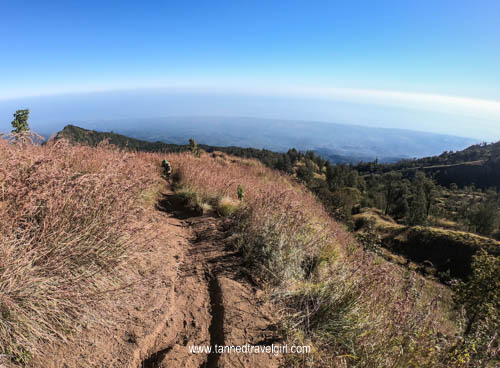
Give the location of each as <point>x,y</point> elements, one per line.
<point>226,206</point>
<point>479,298</point>
<point>240,192</point>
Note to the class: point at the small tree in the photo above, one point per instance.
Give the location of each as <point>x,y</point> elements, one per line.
<point>305,172</point>
<point>483,217</point>
<point>418,210</point>
<point>240,192</point>
<point>193,147</point>
<point>391,181</point>
<point>20,122</point>
<point>430,194</point>
<point>422,190</point>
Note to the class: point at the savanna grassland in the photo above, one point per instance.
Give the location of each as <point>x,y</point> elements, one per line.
<point>354,308</point>
<point>73,219</point>
<point>71,222</point>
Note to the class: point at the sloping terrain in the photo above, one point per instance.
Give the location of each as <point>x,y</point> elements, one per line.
<point>104,265</point>
<point>194,294</point>
<point>93,138</point>
<point>215,303</point>
<point>445,252</point>
<point>97,271</point>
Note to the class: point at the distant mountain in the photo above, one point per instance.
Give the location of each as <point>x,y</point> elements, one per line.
<point>93,138</point>
<point>337,142</point>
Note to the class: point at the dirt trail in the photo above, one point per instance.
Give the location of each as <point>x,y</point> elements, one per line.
<point>189,289</point>
<point>213,301</point>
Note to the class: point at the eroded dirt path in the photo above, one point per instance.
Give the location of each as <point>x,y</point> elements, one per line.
<point>213,301</point>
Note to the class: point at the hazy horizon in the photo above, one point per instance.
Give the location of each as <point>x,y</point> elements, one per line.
<point>426,66</point>
<point>59,110</point>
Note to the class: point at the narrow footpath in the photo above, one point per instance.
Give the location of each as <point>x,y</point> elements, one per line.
<point>213,301</point>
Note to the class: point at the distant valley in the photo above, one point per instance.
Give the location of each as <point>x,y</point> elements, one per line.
<point>337,142</point>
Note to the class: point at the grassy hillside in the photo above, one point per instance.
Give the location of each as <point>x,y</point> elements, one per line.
<point>343,189</point>
<point>354,308</point>
<point>286,237</point>
<point>71,221</point>
<point>93,138</point>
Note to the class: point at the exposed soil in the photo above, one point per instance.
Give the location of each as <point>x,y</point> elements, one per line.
<point>215,301</point>
<point>194,291</point>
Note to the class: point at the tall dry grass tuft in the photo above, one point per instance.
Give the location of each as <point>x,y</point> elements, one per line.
<point>355,309</point>
<point>64,216</point>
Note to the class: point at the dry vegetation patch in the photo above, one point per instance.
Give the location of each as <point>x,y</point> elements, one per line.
<point>67,217</point>
<point>352,307</point>
<point>70,230</point>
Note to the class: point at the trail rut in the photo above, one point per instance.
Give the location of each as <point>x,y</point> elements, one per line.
<point>213,302</point>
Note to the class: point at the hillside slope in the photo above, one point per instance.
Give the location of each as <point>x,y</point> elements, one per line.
<point>101,266</point>
<point>445,253</point>
<point>105,271</point>
<point>93,138</point>
<point>477,165</point>
<point>324,179</point>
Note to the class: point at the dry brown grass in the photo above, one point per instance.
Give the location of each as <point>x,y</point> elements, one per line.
<point>66,215</point>
<point>284,225</point>
<point>355,309</point>
<point>67,223</point>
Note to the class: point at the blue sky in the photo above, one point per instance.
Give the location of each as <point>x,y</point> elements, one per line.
<point>398,54</point>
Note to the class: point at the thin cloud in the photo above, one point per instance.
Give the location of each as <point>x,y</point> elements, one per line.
<point>433,102</point>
